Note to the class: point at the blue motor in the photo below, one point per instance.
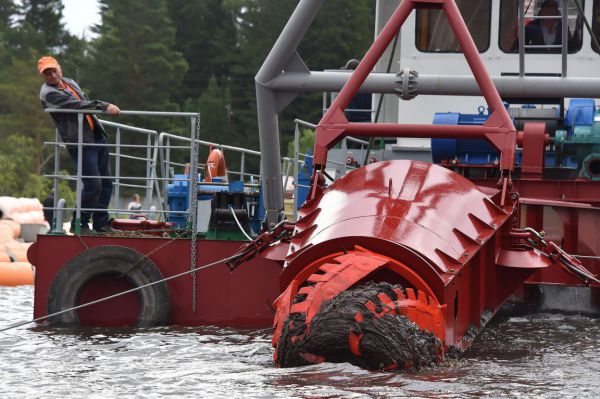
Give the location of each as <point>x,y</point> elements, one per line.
<point>579,137</point>
<point>580,141</point>
<point>581,112</point>
<point>462,151</point>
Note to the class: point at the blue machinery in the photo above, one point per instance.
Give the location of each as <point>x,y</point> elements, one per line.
<point>574,152</point>
<point>220,204</point>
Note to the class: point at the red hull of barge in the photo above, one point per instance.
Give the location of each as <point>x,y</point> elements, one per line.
<point>568,212</point>
<point>240,298</point>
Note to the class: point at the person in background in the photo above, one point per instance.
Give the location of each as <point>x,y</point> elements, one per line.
<point>546,32</point>
<point>135,205</point>
<point>60,92</point>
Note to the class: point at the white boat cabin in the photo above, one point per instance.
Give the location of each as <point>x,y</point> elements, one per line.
<point>428,45</point>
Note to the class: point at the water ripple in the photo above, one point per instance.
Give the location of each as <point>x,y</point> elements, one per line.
<point>540,355</point>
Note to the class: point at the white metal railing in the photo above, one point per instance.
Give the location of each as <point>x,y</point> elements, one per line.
<point>150,159</point>
<point>151,147</point>
<point>250,178</point>
<point>158,155</point>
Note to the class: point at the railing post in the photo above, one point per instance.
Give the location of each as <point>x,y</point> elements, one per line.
<point>243,167</point>
<point>167,168</point>
<point>54,221</point>
<point>288,165</point>
<point>118,164</point>
<point>148,198</point>
<point>364,156</point>
<point>156,185</point>
<point>59,215</point>
<point>79,185</point>
<point>565,37</point>
<point>345,151</point>
<point>521,38</point>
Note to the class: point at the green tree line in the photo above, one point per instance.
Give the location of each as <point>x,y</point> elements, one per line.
<point>175,55</point>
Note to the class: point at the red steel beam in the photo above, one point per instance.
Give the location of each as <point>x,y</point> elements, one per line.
<point>580,190</point>
<point>418,130</point>
<point>498,129</point>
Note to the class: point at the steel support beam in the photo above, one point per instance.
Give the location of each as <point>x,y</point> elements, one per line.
<point>450,85</point>
<point>283,76</point>
<point>269,102</point>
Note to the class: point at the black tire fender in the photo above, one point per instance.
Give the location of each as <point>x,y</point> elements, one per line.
<point>109,260</point>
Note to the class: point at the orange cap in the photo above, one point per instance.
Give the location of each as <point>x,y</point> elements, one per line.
<point>47,62</point>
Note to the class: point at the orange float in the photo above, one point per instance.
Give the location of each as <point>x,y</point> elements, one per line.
<point>4,256</point>
<point>215,166</point>
<point>15,273</point>
<point>14,268</point>
<point>9,230</point>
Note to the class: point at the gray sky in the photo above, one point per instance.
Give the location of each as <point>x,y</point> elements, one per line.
<point>80,15</point>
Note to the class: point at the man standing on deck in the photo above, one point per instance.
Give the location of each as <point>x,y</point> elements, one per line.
<point>59,92</point>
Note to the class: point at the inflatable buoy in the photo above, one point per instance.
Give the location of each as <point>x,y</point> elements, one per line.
<point>22,210</point>
<point>9,230</point>
<point>215,166</point>
<point>16,250</point>
<point>14,269</point>
<point>116,261</point>
<point>15,273</point>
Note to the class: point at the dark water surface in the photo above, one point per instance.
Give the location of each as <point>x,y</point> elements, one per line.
<point>536,356</point>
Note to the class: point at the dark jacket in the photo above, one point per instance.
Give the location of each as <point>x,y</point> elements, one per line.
<point>361,108</point>
<point>535,36</point>
<point>67,125</point>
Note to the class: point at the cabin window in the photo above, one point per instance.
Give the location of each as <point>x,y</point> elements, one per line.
<point>596,24</point>
<point>433,33</point>
<point>542,35</point>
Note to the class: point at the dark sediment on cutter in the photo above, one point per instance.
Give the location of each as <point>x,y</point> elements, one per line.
<point>389,342</point>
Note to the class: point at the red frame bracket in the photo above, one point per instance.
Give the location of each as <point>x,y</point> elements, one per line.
<point>534,143</point>
<point>498,129</point>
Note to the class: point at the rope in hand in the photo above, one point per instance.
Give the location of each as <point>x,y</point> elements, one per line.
<point>12,326</point>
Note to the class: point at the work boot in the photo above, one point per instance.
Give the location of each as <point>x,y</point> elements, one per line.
<point>84,231</point>
<point>106,229</point>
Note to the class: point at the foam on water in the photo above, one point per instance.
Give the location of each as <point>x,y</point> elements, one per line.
<point>539,355</point>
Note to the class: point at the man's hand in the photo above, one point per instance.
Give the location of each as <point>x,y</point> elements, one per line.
<point>113,110</point>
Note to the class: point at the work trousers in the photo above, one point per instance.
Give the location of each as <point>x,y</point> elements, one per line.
<point>96,192</point>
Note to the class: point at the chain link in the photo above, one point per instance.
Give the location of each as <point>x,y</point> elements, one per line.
<point>82,242</point>
<point>193,209</point>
